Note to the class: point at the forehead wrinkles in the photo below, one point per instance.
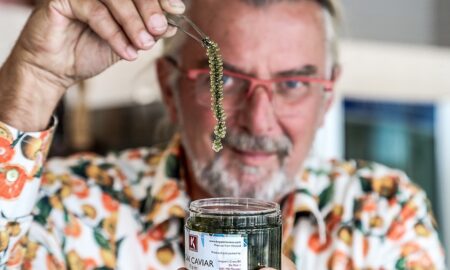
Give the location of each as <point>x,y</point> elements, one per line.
<point>210,11</point>
<point>237,26</point>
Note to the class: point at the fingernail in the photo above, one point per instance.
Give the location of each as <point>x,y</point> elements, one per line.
<point>132,53</point>
<point>146,39</point>
<point>176,4</point>
<point>158,22</point>
<point>171,31</point>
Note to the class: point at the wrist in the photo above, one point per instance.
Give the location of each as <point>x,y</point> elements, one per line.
<point>29,95</point>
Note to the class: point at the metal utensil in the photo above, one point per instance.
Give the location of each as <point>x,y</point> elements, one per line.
<point>178,21</point>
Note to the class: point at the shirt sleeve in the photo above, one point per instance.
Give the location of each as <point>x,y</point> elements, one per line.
<point>22,155</point>
<point>403,235</point>
<point>412,241</point>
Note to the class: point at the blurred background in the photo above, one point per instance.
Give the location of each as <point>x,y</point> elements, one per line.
<point>392,105</point>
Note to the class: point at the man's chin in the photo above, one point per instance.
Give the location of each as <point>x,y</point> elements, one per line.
<point>247,179</point>
<point>231,174</point>
<point>250,178</point>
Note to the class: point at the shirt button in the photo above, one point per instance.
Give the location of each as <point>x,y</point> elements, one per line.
<point>12,175</point>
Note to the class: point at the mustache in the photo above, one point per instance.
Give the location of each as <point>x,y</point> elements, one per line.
<point>243,141</point>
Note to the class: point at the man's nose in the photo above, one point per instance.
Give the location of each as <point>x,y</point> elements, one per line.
<point>258,116</point>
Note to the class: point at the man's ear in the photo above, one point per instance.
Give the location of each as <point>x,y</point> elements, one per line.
<point>335,75</point>
<point>164,70</point>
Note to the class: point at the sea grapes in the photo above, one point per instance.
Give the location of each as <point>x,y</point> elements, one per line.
<point>216,88</point>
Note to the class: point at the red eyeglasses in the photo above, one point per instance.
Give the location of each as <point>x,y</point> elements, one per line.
<point>287,94</point>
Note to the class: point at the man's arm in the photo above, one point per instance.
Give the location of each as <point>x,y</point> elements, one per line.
<point>412,240</point>
<point>401,234</point>
<point>22,105</point>
<point>21,160</point>
<point>64,41</point>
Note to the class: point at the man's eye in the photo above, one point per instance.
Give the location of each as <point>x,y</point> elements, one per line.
<point>227,80</point>
<point>292,84</point>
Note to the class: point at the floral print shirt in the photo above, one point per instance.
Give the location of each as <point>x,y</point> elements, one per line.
<point>126,210</point>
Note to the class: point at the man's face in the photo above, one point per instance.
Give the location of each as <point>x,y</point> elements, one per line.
<point>261,41</point>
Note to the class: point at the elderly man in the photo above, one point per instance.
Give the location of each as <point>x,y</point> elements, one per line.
<point>126,210</point>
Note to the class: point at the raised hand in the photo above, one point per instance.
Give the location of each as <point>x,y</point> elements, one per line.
<point>66,41</point>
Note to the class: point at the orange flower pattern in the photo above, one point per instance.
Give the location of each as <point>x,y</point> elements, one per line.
<point>12,181</point>
<point>6,150</point>
<point>126,211</point>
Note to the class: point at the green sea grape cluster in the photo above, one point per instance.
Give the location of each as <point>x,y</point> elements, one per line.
<point>216,88</point>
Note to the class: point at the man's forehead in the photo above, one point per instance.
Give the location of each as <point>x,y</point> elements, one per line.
<point>217,12</point>
<point>329,5</point>
<point>280,38</point>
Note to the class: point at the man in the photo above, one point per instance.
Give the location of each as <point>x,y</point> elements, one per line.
<point>126,210</point>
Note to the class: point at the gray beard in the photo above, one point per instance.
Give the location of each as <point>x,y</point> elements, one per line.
<point>216,179</point>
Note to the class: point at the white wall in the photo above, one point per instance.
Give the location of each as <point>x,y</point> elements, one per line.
<point>124,84</point>
<point>395,71</point>
<point>12,20</point>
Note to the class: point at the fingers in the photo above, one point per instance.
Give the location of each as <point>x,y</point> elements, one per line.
<point>173,6</point>
<point>152,16</point>
<point>171,31</point>
<point>100,20</point>
<point>128,25</point>
<point>127,16</point>
<point>143,20</point>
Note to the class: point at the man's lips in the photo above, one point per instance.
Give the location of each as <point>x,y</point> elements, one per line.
<point>253,157</point>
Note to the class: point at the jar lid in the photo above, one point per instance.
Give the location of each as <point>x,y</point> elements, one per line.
<point>234,206</point>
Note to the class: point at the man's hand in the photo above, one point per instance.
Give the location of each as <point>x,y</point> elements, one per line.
<point>66,41</point>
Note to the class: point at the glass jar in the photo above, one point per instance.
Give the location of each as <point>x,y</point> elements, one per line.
<point>233,233</point>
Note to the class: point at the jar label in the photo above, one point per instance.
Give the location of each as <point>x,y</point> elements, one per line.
<point>206,251</point>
